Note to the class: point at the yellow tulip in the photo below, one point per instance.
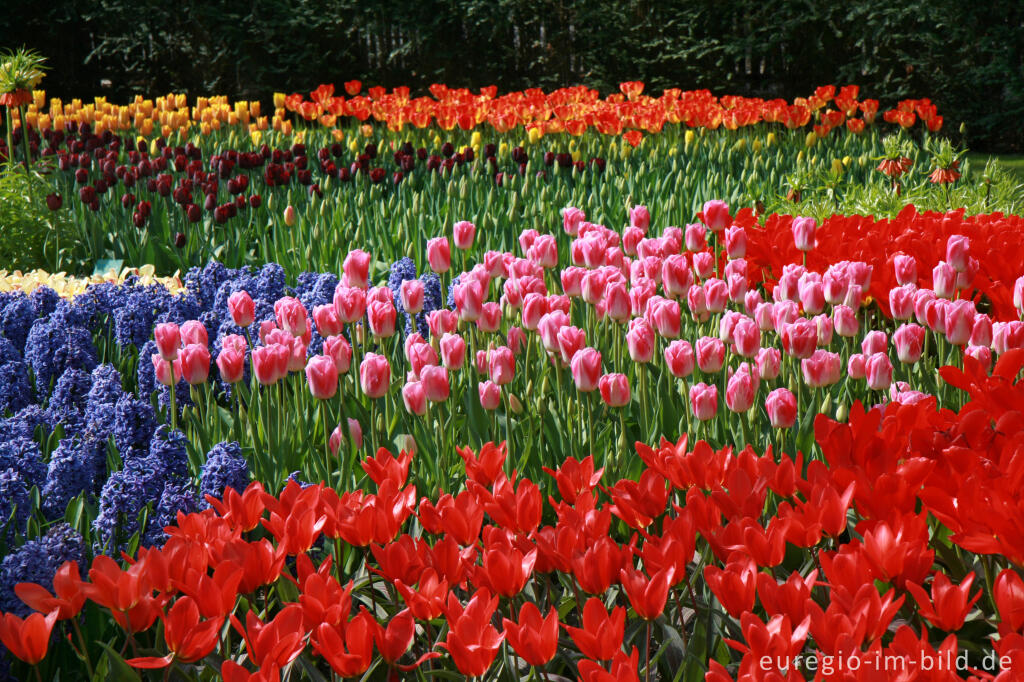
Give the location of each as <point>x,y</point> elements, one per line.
<point>811,139</point>
<point>756,146</point>
<point>534,135</point>
<point>688,137</point>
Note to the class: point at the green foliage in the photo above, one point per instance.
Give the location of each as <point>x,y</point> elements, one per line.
<point>30,234</point>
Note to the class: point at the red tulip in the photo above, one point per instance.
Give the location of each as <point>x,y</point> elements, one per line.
<point>647,595</point>
<point>27,639</point>
<point>348,648</point>
<point>949,604</point>
<point>472,641</point>
<point>601,635</point>
<point>534,639</point>
<point>187,637</point>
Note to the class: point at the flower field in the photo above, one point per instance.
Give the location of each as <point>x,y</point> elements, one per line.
<point>510,386</point>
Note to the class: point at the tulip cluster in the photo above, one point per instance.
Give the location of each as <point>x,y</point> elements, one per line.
<point>708,545</point>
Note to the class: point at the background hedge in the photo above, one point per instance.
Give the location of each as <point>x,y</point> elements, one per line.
<point>967,56</point>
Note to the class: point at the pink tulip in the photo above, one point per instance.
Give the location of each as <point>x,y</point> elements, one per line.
<point>572,217</point>
<point>640,217</point>
<point>982,354</point>
<point>716,215</point>
<point>856,366</point>
<point>812,297</point>
<point>166,372</point>
<point>296,355</point>
<point>453,351</point>
<point>548,328</point>
<point>800,338</point>
<point>981,333</point>
<point>614,390</point>
<point>717,295</point>
<point>764,314</point>
<point>382,316</point>
<point>356,267</point>
<point>960,316</point>
<point>490,318</point>
<point>339,350</point>
<point>375,375</point>
<point>270,363</point>
<point>527,238</point>
<point>168,340</point>
<point>469,300</point>
<point>586,369</point>
<point>823,323</point>
<point>735,242</point>
<point>242,308</point>
<point>666,318</point>
<point>349,303</point>
<point>935,315</point>
<point>769,363</point>
<point>231,365</point>
<point>878,370</point>
<point>516,340</point>
<point>327,321</point>
<point>435,383</point>
<point>490,395</point>
<point>355,432</point>
<point>640,340</point>
<point>291,315</point>
<point>464,232</point>
<point>616,302</point>
<point>821,369</point>
<point>421,355</point>
<point>781,408</point>
<point>803,233</point>
<point>703,264</point>
<point>922,297</point>
<point>679,358</point>
<point>710,354</point>
<point>234,342</point>
<point>442,321</point>
<point>737,286</point>
<point>1018,295</point>
<point>854,297</point>
<point>874,342</point>
<point>676,276</point>
<point>411,296</point>
<point>958,249</point>
<point>593,286</point>
<point>195,363</point>
<point>544,251</point>
<point>788,288</point>
<point>784,313</point>
<point>631,238</point>
<point>696,237</point>
<point>704,401</point>
<point>480,362</point>
<point>746,337</point>
<point>834,285</point>
<point>901,301</point>
<point>741,389</point>
<point>906,269</point>
<point>194,332</point>
<point>439,256</point>
<point>501,365</point>
<point>572,280</point>
<point>322,377</point>
<point>570,340</point>
<point>535,306</point>
<point>944,280</point>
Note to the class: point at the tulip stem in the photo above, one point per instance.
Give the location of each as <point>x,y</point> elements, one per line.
<point>173,388</point>
<point>647,647</point>
<point>81,642</point>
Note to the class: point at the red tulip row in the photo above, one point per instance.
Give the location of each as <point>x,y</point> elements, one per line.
<point>907,531</point>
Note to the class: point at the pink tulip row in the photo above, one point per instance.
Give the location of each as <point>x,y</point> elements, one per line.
<point>615,279</point>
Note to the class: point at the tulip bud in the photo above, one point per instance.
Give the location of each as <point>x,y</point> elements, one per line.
<point>289,216</point>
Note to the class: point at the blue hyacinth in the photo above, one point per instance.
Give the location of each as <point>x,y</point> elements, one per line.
<point>78,465</point>
<point>224,467</point>
<point>36,562</point>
